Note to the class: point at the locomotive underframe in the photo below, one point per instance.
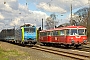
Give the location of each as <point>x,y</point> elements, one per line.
<point>26,41</point>
<point>62,44</point>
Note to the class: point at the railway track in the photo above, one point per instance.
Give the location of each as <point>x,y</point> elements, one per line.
<point>87,49</point>
<point>62,53</point>
<point>84,48</point>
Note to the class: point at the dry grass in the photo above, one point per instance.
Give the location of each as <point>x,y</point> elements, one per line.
<point>7,53</point>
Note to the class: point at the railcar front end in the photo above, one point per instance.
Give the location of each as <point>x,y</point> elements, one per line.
<point>76,36</point>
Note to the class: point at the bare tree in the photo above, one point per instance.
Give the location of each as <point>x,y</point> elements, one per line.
<point>53,16</point>
<point>50,21</point>
<point>81,16</point>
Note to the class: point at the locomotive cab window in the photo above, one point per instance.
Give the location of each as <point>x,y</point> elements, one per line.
<point>73,31</point>
<point>81,32</point>
<point>31,30</point>
<point>78,32</point>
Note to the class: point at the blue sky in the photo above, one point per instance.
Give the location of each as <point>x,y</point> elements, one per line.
<point>29,4</point>
<point>32,6</point>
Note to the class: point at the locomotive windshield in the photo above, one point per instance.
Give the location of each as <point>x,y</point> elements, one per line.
<point>29,29</point>
<point>73,31</point>
<point>76,32</point>
<point>81,32</point>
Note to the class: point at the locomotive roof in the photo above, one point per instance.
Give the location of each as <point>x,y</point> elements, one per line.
<point>67,27</point>
<point>46,30</point>
<point>75,27</point>
<point>71,27</point>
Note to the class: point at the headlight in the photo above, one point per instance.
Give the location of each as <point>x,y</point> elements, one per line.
<point>85,41</point>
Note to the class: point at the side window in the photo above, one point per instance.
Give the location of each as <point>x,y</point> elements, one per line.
<point>52,33</point>
<point>55,33</point>
<point>48,33</point>
<point>81,32</point>
<point>43,34</point>
<point>62,32</point>
<point>58,32</point>
<point>85,32</point>
<point>67,32</point>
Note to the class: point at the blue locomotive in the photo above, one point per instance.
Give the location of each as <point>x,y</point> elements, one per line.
<point>26,35</point>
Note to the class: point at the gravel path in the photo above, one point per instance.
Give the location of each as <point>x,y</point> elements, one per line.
<point>26,53</point>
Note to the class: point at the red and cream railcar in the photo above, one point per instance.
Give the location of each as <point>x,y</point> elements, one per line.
<point>68,36</point>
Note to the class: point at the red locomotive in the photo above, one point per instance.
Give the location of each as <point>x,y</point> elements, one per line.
<point>67,36</point>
